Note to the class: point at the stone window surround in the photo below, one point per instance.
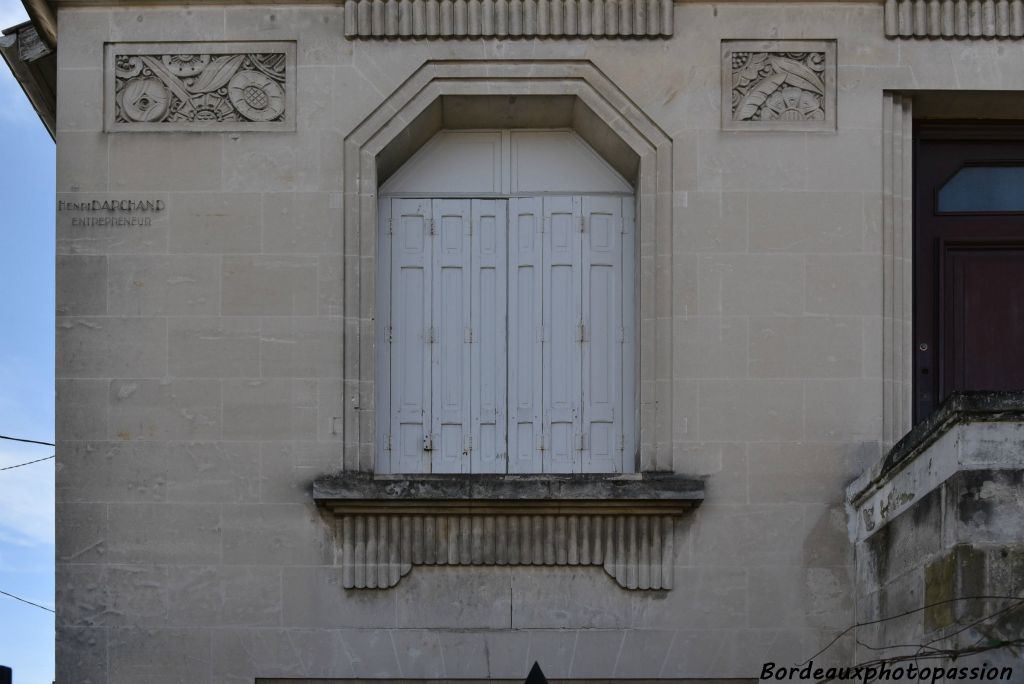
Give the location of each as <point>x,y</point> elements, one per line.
<point>372,143</point>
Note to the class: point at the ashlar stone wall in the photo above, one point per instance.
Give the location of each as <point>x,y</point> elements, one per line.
<point>201,376</point>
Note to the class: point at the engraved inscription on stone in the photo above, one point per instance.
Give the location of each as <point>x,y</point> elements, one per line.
<point>212,87</point>
<point>115,212</point>
<point>778,85</point>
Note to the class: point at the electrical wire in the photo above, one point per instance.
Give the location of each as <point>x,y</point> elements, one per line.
<point>27,441</point>
<point>18,465</point>
<point>18,598</point>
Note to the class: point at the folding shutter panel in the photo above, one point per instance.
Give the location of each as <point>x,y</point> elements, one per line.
<point>562,331</point>
<point>525,329</point>
<point>450,350</point>
<point>488,348</point>
<point>410,329</point>
<point>603,334</point>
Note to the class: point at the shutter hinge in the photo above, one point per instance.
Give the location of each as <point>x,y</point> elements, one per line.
<point>391,226</point>
<point>622,442</point>
<point>431,227</point>
<point>540,333</point>
<point>583,224</point>
<point>469,445</point>
<point>430,335</point>
<point>428,442</point>
<point>622,333</point>
<point>540,442</point>
<point>389,334</point>
<point>469,336</point>
<point>387,442</point>
<point>582,332</point>
<point>581,441</point>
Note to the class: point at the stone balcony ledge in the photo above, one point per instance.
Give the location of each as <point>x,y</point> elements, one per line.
<point>971,431</point>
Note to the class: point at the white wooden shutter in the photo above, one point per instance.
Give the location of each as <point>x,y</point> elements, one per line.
<point>411,266</point>
<point>563,328</point>
<point>525,331</point>
<point>603,334</point>
<point>450,408</point>
<point>488,349</point>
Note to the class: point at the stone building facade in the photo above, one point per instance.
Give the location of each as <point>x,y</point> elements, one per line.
<point>291,449</point>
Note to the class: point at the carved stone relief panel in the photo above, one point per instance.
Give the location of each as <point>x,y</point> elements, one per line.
<point>200,86</point>
<point>779,85</point>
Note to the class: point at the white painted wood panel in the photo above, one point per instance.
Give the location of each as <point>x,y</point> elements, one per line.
<point>560,161</point>
<point>562,330</point>
<point>450,376</point>
<point>603,334</point>
<point>525,335</point>
<point>508,334</point>
<point>489,352</point>
<point>466,162</point>
<point>411,276</point>
<point>503,163</point>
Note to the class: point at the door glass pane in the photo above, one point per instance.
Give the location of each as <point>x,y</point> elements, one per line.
<point>983,189</point>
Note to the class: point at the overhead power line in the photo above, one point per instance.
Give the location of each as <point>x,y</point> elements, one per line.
<point>27,441</point>
<point>18,598</point>
<point>18,465</point>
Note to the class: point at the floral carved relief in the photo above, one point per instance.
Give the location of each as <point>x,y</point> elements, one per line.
<point>165,89</point>
<point>782,85</point>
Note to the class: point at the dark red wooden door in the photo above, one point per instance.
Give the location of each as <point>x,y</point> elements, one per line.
<point>968,262</point>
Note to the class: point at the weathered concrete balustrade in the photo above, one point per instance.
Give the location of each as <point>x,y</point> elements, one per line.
<point>937,527</point>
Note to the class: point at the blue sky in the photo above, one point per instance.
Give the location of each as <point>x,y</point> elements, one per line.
<point>27,165</point>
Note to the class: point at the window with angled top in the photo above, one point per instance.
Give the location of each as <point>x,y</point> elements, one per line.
<point>507,308</point>
<point>978,189</point>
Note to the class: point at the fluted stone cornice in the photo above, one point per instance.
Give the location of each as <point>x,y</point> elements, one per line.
<point>508,19</point>
<point>959,19</point>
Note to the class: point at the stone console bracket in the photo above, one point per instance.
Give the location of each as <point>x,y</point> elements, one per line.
<point>623,523</point>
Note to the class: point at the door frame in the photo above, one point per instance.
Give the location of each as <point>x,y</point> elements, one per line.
<point>932,364</point>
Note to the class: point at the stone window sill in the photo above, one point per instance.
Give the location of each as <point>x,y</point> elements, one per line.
<point>386,524</point>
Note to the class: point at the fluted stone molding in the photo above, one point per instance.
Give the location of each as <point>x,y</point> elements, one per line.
<point>636,550</point>
<point>395,19</point>
<point>387,525</point>
<point>954,18</point>
<point>897,267</point>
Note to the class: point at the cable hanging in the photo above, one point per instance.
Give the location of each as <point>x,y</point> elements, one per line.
<point>27,441</point>
<point>18,465</point>
<point>18,598</point>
